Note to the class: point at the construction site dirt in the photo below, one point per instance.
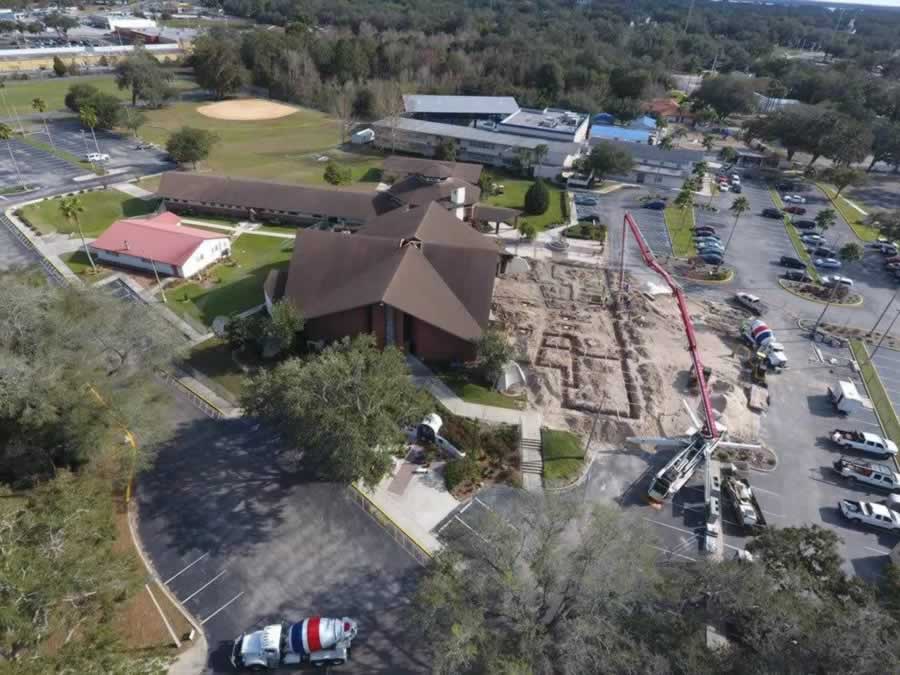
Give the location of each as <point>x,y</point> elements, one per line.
<point>589,353</point>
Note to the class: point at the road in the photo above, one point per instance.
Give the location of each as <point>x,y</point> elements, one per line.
<point>242,539</point>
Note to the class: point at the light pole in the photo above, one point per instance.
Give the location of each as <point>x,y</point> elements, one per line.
<point>881,316</point>
<point>883,335</point>
<point>825,309</point>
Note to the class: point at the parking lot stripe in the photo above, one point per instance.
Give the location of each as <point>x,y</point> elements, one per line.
<point>768,492</point>
<point>671,527</point>
<point>185,569</point>
<point>667,551</point>
<point>877,550</point>
<point>208,583</point>
<point>221,608</point>
<point>774,515</point>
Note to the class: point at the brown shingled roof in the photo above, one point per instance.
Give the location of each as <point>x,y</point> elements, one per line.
<point>431,267</point>
<point>417,191</point>
<point>432,168</point>
<point>257,194</point>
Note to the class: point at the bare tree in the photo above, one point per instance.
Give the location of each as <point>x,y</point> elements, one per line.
<point>342,107</point>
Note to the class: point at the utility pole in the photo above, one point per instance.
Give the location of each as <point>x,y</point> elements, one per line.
<point>825,309</point>
<point>881,316</point>
<point>883,335</point>
<point>162,291</point>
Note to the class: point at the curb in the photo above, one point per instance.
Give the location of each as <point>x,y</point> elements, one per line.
<point>708,282</point>
<point>869,394</point>
<point>131,517</point>
<point>417,550</point>
<point>841,213</point>
<point>845,305</point>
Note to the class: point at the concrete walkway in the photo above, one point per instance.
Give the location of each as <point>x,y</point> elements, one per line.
<point>133,190</point>
<point>241,228</point>
<point>528,421</point>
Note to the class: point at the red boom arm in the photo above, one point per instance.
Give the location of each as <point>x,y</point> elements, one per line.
<point>711,430</point>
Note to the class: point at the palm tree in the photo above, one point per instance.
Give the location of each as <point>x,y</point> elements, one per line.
<point>666,143</point>
<point>40,105</point>
<point>5,135</point>
<point>88,117</point>
<point>708,142</point>
<point>70,207</point>
<point>825,219</point>
<point>850,252</point>
<point>738,207</point>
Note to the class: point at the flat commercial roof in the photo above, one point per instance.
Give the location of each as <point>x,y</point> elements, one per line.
<point>551,119</point>
<point>460,105</point>
<point>473,134</point>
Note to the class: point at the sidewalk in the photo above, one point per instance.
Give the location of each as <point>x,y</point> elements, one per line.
<point>244,227</point>
<point>132,189</point>
<point>528,421</point>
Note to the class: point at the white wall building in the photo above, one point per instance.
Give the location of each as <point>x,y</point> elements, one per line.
<point>160,245</point>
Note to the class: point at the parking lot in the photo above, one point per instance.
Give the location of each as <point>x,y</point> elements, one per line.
<point>887,363</point>
<point>34,166</point>
<point>69,136</point>
<point>243,540</point>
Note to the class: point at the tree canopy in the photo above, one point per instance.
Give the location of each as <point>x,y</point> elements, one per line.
<point>343,409</point>
<point>190,145</point>
<point>606,159</point>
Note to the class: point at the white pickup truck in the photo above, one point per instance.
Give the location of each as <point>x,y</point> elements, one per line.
<point>870,513</point>
<point>751,302</point>
<point>871,444</point>
<point>859,470</point>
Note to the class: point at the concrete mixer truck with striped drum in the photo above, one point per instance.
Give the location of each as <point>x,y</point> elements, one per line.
<point>316,640</point>
<point>761,338</point>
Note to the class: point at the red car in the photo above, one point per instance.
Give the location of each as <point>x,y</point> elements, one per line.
<point>797,210</point>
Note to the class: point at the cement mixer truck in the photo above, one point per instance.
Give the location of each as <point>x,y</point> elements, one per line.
<point>761,338</point>
<point>316,640</point>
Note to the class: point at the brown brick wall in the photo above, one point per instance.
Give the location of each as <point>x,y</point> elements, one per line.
<point>433,344</point>
<point>335,326</point>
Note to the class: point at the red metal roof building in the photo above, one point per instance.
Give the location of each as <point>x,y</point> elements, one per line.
<point>160,244</point>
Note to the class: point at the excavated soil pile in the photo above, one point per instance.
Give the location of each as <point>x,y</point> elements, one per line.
<point>626,364</point>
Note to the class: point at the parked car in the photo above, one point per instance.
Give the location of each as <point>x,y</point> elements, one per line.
<point>736,188</point>
<point>892,259</point>
<point>772,213</point>
<point>825,252</point>
<point>812,237</point>
<point>804,224</point>
<point>796,210</point>
<point>585,200</point>
<point>707,237</point>
<point>704,229</point>
<point>97,157</point>
<point>712,258</point>
<point>789,261</point>
<point>828,263</point>
<point>797,275</point>
<point>655,206</point>
<point>830,280</point>
<point>893,266</point>
<point>871,514</point>
<point>888,250</point>
<point>793,199</point>
<point>724,187</point>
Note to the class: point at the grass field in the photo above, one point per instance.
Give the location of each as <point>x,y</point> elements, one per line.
<point>679,223</point>
<point>877,393</point>
<point>471,392</point>
<point>513,197</point>
<point>78,262</point>
<point>213,359</point>
<point>848,213</point>
<point>19,95</point>
<point>232,288</point>
<point>101,209</point>
<point>286,149</point>
<point>563,454</point>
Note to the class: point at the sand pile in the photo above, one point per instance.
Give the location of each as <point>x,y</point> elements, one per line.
<point>246,109</point>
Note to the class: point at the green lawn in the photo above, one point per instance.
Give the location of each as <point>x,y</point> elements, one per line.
<point>587,231</point>
<point>513,197</point>
<point>679,223</point>
<point>232,288</point>
<point>19,95</point>
<point>78,262</point>
<point>101,209</point>
<point>150,183</point>
<point>877,393</point>
<point>213,359</point>
<point>853,217</point>
<point>288,149</point>
<point>469,391</point>
<point>563,454</point>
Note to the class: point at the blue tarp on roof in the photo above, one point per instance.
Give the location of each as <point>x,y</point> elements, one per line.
<point>604,118</point>
<point>620,133</point>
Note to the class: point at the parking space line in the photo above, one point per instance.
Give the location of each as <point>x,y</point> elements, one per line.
<point>208,583</point>
<point>877,550</point>
<point>667,551</point>
<point>221,608</point>
<point>768,492</point>
<point>671,527</point>
<point>186,568</point>
<point>774,515</point>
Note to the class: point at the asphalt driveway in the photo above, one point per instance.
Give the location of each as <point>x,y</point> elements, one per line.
<point>243,540</point>
<point>887,363</point>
